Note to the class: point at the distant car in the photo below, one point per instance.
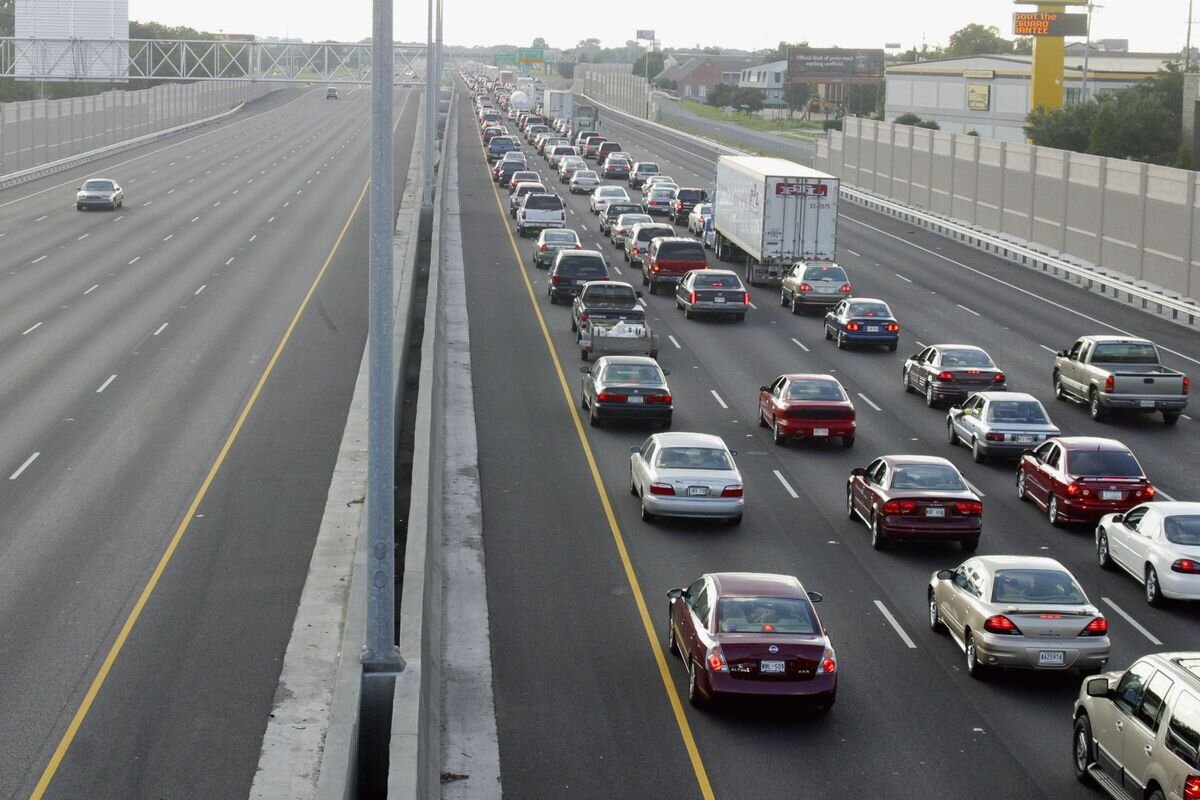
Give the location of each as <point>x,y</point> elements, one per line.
<point>918,498</point>
<point>621,227</point>
<point>862,320</point>
<point>584,181</point>
<point>669,258</point>
<point>606,149</point>
<point>949,372</point>
<point>571,270</point>
<point>657,201</point>
<point>686,475</point>
<point>603,195</point>
<point>568,166</point>
<point>505,171</point>
<point>651,181</point>
<point>712,291</point>
<point>518,196</point>
<point>558,152</point>
<point>550,241</point>
<point>522,176</point>
<point>1158,544</point>
<point>492,131</point>
<point>640,171</point>
<point>1023,612</point>
<point>99,193</point>
<point>999,424</point>
<point>1082,478</point>
<point>637,241</point>
<point>331,93</point>
<point>807,406</point>
<point>626,388</point>
<point>745,633</point>
<point>499,145</point>
<point>699,213</point>
<point>614,210</point>
<point>683,201</point>
<point>614,167</point>
<point>807,285</point>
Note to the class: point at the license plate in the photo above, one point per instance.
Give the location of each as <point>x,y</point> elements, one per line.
<point>1022,439</point>
<point>697,491</point>
<point>777,667</point>
<point>1111,495</point>
<point>872,329</point>
<point>935,511</point>
<point>1051,658</point>
<point>1147,403</point>
<point>826,289</point>
<point>719,299</point>
<point>820,431</point>
<point>636,399</point>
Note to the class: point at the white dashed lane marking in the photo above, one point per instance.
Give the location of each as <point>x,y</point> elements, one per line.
<point>23,467</point>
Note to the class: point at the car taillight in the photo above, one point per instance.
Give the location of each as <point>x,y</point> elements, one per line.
<point>746,298</point>
<point>845,288</point>
<point>1148,492</point>
<point>732,491</point>
<point>892,327</point>
<point>654,267</point>
<point>523,215</point>
<point>715,660</point>
<point>583,317</point>
<point>969,508</point>
<point>828,663</point>
<point>998,377</point>
<point>578,247</point>
<point>1001,624</point>
<point>804,287</point>
<point>612,397</point>
<point>1191,788</point>
<point>945,376</point>
<point>636,251</point>
<point>1097,627</point>
<point>692,298</point>
<point>1109,384</point>
<point>662,488</point>
<point>1186,566</point>
<point>852,326</point>
<point>1187,384</point>
<point>1074,489</point>
<point>658,398</point>
<point>555,279</point>
<point>899,506</point>
<point>543,248</point>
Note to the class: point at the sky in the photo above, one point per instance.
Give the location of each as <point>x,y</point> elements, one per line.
<point>1149,25</point>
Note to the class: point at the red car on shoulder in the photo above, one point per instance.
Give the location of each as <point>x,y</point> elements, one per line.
<point>1082,478</point>
<point>807,406</point>
<point>916,498</point>
<point>749,633</point>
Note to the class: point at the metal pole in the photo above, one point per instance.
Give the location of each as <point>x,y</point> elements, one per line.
<point>1187,48</point>
<point>380,653</point>
<point>430,114</point>
<point>1087,49</point>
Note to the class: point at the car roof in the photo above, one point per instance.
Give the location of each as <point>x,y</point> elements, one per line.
<point>663,239</point>
<point>905,460</point>
<point>610,283</point>
<point>756,584</point>
<point>639,361</point>
<point>1090,443</point>
<point>866,300</point>
<point>810,376</point>
<point>957,347</point>
<point>1172,507</point>
<point>1022,396</point>
<point>1106,337</point>
<point>994,563</point>
<point>686,439</point>
<point>718,272</point>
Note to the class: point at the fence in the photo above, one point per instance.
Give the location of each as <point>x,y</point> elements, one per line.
<point>621,90</point>
<point>36,132</point>
<point>1124,216</point>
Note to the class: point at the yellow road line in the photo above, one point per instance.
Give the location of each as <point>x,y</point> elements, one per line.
<point>135,613</point>
<point>685,729</point>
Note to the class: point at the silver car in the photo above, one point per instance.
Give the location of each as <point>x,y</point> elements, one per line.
<point>558,153</point>
<point>1026,612</point>
<point>550,241</point>
<point>1158,544</point>
<point>99,193</point>
<point>569,166</point>
<point>603,195</point>
<point>999,424</point>
<point>686,475</point>
<point>584,181</point>
<point>624,223</point>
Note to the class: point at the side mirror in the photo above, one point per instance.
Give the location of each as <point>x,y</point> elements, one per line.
<point>586,370</point>
<point>1061,354</point>
<point>1097,687</point>
<point>733,452</point>
<point>638,294</point>
<point>816,597</point>
<point>1118,518</point>
<point>1028,452</point>
<point>636,449</point>
<point>859,471</point>
<point>666,372</point>
<point>675,594</point>
<point>945,574</point>
<point>764,388</point>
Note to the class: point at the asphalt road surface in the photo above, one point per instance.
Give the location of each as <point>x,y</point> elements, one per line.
<point>174,376</point>
<point>588,703</point>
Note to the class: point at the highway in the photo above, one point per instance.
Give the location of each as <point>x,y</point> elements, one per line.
<point>174,376</point>
<point>588,702</point>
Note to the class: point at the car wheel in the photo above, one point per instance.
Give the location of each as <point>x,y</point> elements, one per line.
<point>783,300</point>
<point>892,346</point>
<point>1103,557</point>
<point>654,290</point>
<point>762,419</point>
<point>930,400</point>
<point>850,505</point>
<point>1170,417</point>
<point>841,340</point>
<point>632,486</point>
<point>734,521</point>
<point>1052,510</point>
<point>777,433</point>
<point>935,617</point>
<point>908,389</point>
<point>1153,590</point>
<point>695,697</point>
<point>878,540</point>
<point>1022,495</point>
<point>1059,392</point>
<point>574,327</point>
<point>828,335</point>
<point>977,454</point>
<point>739,317</point>
<point>593,418</point>
<point>646,515</point>
<point>969,545</point>
<point>687,312</point>
<point>1094,408</point>
<point>795,305</point>
<point>583,354</point>
<point>672,646</point>
<point>974,668</point>
<point>951,436</point>
<point>847,442</point>
<point>1082,750</point>
<point>78,207</point>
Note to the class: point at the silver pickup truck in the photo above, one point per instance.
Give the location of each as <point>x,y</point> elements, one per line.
<point>608,318</point>
<point>1119,373</point>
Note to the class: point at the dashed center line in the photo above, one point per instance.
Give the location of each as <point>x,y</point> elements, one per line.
<point>895,625</point>
<point>786,485</point>
<point>94,288</point>
<point>851,252</point>
<point>230,261</point>
<point>718,397</point>
<point>1048,349</point>
<point>42,217</point>
<point>270,220</point>
<point>134,260</point>
<point>800,344</point>
<point>252,238</point>
<point>104,385</point>
<point>216,204</point>
<point>168,237</point>
<point>195,218</point>
<point>23,467</point>
<point>868,401</point>
<point>161,328</point>
<point>1137,625</point>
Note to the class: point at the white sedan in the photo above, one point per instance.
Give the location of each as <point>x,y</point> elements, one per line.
<point>605,195</point>
<point>1156,543</point>
<point>697,217</point>
<point>686,475</point>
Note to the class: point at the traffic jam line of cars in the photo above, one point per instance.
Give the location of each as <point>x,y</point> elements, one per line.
<point>741,633</point>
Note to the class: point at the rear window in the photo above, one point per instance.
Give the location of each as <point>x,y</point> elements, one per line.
<point>1036,586</point>
<point>682,251</point>
<point>647,168</point>
<point>545,202</point>
<point>694,458</point>
<point>692,195</point>
<point>869,310</point>
<point>766,615</point>
<point>825,274</point>
<point>1103,463</point>
<point>646,234</point>
<point>98,186</point>
<point>588,267</point>
<point>966,358</point>
<point>937,477</point>
<point>615,210</point>
<point>718,281</point>
<point>1024,412</point>
<point>629,220</point>
<point>559,236</point>
<point>660,194</point>
<point>1125,353</point>
<point>527,188</point>
<point>611,295</point>
<point>1183,529</point>
<point>640,374</point>
<point>815,390</point>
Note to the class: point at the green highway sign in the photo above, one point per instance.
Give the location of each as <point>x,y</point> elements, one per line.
<point>505,58</point>
<point>531,55</point>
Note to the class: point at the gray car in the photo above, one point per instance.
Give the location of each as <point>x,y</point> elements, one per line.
<point>550,241</point>
<point>620,229</point>
<point>99,193</point>
<point>639,237</point>
<point>584,181</point>
<point>999,424</point>
<point>712,291</point>
<point>1025,612</point>
<point>807,285</point>
<point>686,475</point>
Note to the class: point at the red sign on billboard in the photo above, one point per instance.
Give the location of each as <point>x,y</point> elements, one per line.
<point>783,189</point>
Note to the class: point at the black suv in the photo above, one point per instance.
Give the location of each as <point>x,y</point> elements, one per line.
<point>571,270</point>
<point>683,201</point>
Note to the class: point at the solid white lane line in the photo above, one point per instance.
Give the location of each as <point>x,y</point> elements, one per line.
<point>1137,625</point>
<point>851,252</point>
<point>714,394</point>
<point>895,625</point>
<point>81,238</point>
<point>786,485</point>
<point>95,286</point>
<point>678,346</point>
<point>867,400</point>
<point>230,261</point>
<point>21,468</point>
<point>134,260</point>
<point>42,217</point>
<point>39,258</point>
<point>104,385</point>
<point>1048,349</point>
<point>201,289</point>
<point>800,344</point>
<point>32,329</point>
<point>968,310</point>
<point>161,328</point>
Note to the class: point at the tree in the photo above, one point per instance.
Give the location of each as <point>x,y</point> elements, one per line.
<point>1067,128</point>
<point>796,96</point>
<point>976,39</point>
<point>539,42</point>
<point>926,53</point>
<point>7,18</point>
<point>712,51</point>
<point>1023,45</point>
<point>907,119</point>
<point>748,99</point>
<point>721,95</point>
<point>588,44</point>
<point>1105,138</point>
<point>655,59</point>
<point>780,53</point>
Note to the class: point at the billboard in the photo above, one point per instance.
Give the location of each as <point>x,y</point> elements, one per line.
<point>83,40</point>
<point>645,36</point>
<point>979,96</point>
<point>812,65</point>
<point>1049,23</point>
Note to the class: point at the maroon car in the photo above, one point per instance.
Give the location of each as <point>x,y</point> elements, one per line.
<point>669,258</point>
<point>806,407</point>
<point>748,633</point>
<point>917,498</point>
<point>1082,478</point>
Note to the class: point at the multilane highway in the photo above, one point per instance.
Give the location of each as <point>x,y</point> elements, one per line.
<point>588,702</point>
<point>174,377</point>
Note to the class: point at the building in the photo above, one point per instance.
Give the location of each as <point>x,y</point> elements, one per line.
<point>990,94</point>
<point>695,76</point>
<point>770,78</point>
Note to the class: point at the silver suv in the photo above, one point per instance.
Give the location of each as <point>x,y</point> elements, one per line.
<point>1137,732</point>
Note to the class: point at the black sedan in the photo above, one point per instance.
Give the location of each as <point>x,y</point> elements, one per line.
<point>946,373</point>
<point>626,387</point>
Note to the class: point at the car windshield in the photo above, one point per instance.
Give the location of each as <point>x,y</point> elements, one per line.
<point>1183,529</point>
<point>934,477</point>
<point>611,296</point>
<point>966,358</point>
<point>1125,353</point>
<point>585,174</point>
<point>638,374</point>
<point>824,274</point>
<point>694,458</point>
<point>815,390</point>
<point>765,615</point>
<point>868,310</point>
<point>720,280</point>
<point>627,220</point>
<point>560,237</point>
<point>1028,412</point>
<point>98,186</point>
<point>1103,463</point>
<point>1023,586</point>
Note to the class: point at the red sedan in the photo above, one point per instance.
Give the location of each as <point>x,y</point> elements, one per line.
<point>806,407</point>
<point>919,498</point>
<point>1082,478</point>
<point>747,633</point>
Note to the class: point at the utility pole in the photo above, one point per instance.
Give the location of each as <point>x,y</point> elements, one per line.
<point>1187,48</point>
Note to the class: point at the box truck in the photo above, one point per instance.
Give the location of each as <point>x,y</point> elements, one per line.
<point>557,104</point>
<point>769,213</point>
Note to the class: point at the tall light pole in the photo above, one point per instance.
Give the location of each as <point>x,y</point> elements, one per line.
<point>1187,48</point>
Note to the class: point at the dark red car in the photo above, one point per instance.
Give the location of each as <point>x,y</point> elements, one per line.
<point>748,633</point>
<point>1082,478</point>
<point>669,258</point>
<point>806,407</point>
<point>917,498</point>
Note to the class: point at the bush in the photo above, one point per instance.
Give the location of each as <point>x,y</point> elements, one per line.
<point>832,124</point>
<point>907,119</point>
